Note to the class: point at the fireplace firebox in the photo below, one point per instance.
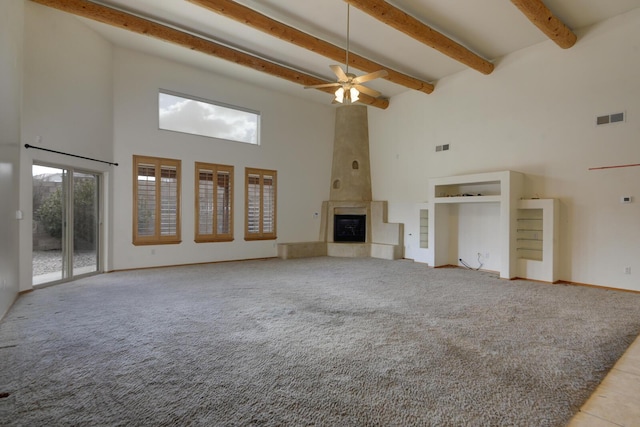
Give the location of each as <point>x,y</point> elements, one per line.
<point>349,228</point>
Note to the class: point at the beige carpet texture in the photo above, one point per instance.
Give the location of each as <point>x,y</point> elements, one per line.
<point>318,341</point>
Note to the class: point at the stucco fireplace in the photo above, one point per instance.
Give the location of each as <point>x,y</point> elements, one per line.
<point>350,197</point>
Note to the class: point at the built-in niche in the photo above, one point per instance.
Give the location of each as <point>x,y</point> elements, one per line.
<point>537,224</point>
<point>424,228</point>
<point>472,216</point>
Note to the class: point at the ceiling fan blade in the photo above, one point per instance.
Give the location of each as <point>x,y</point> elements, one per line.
<point>339,73</point>
<point>368,91</point>
<point>370,76</point>
<point>322,85</point>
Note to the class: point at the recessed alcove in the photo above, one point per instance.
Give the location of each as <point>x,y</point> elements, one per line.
<point>474,214</point>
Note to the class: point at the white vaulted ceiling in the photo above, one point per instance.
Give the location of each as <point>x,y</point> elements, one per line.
<point>489,28</point>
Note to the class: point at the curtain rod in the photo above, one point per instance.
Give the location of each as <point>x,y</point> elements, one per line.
<point>68,154</point>
<point>614,167</point>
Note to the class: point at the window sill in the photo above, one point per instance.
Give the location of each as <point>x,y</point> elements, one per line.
<point>213,239</point>
<point>157,242</point>
<point>250,238</point>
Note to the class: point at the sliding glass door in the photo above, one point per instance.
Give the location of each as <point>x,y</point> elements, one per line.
<point>65,223</point>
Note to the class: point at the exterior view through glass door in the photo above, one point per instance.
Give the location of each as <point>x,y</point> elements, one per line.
<point>65,223</point>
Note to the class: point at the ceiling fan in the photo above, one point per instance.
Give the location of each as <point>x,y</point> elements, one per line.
<point>349,85</point>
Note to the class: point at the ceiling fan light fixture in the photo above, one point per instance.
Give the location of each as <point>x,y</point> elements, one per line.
<point>347,81</point>
<point>354,94</point>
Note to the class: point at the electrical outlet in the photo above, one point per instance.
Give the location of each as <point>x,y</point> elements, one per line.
<point>627,270</point>
<point>153,251</point>
<point>486,255</point>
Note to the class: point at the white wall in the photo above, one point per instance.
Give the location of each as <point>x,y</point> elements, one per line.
<point>67,105</point>
<point>11,46</point>
<point>534,114</point>
<point>296,140</point>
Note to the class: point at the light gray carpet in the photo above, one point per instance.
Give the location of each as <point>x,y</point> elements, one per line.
<point>321,341</point>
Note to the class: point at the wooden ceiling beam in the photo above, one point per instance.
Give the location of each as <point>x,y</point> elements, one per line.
<point>401,21</point>
<point>256,20</point>
<point>136,24</point>
<point>547,22</point>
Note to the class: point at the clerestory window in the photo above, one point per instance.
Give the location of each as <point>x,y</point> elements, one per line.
<point>181,113</point>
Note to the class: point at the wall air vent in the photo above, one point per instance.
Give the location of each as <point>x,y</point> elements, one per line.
<point>617,117</point>
<point>610,118</point>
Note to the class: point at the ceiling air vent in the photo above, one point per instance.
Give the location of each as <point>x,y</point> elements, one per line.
<point>610,118</point>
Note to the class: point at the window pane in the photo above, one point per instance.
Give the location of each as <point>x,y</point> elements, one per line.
<point>223,204</point>
<point>261,204</point>
<point>268,205</point>
<point>253,208</point>
<point>198,117</point>
<point>205,197</point>
<point>169,201</point>
<point>146,200</point>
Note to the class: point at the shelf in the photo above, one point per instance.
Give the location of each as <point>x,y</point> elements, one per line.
<point>468,199</point>
<point>452,186</point>
<point>530,238</point>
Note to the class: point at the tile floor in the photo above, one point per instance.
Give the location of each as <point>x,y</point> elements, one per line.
<point>616,401</point>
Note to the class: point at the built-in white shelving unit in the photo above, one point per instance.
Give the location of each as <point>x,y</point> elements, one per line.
<point>424,228</point>
<point>536,237</point>
<point>420,251</point>
<point>526,229</point>
<point>503,188</point>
